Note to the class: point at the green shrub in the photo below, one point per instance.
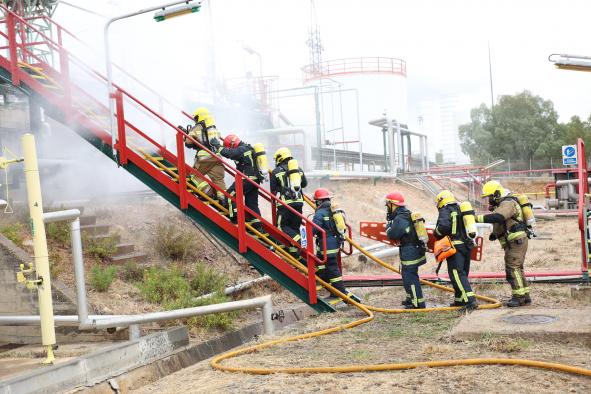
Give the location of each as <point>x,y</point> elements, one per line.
<point>58,232</point>
<point>207,280</point>
<point>222,321</point>
<point>101,278</point>
<point>132,272</point>
<point>162,286</point>
<point>101,248</point>
<point>172,242</point>
<point>14,232</point>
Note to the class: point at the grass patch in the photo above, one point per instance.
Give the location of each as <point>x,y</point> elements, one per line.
<point>14,232</point>
<point>101,278</point>
<point>425,325</point>
<point>169,288</point>
<point>101,248</point>
<point>172,242</point>
<point>131,272</point>
<point>505,344</point>
<point>207,280</point>
<point>58,232</point>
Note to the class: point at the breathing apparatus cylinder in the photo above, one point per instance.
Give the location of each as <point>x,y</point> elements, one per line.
<point>294,175</point>
<point>526,209</point>
<point>469,219</point>
<point>212,133</point>
<point>338,215</point>
<point>419,224</point>
<point>260,157</point>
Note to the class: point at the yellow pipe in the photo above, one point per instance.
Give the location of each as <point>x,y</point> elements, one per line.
<point>216,361</point>
<point>39,245</point>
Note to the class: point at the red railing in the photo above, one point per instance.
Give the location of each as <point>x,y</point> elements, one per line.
<point>133,116</point>
<point>356,65</point>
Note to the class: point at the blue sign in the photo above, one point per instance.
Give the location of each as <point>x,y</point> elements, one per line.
<point>569,155</point>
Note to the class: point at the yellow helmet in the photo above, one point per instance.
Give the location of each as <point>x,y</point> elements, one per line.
<point>445,197</point>
<point>200,114</point>
<point>281,155</point>
<point>492,188</point>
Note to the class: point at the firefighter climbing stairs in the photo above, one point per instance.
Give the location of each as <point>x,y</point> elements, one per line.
<point>79,100</point>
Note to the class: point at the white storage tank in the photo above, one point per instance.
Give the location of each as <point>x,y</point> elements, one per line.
<point>380,85</point>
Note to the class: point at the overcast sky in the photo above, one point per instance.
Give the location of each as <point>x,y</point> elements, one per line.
<point>443,42</point>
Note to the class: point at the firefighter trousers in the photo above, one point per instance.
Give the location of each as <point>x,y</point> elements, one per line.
<point>412,285</point>
<point>514,260</point>
<point>330,272</point>
<point>290,224</point>
<point>214,169</point>
<point>456,268</point>
<point>251,200</point>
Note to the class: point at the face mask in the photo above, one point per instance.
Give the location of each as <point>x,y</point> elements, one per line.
<point>492,201</point>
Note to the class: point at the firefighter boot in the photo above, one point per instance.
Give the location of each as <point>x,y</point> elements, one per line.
<point>354,297</point>
<point>420,305</point>
<point>516,301</point>
<point>407,301</point>
<point>527,299</point>
<point>470,306</point>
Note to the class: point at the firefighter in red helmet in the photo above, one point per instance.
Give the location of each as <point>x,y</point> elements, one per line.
<point>324,218</point>
<point>400,227</point>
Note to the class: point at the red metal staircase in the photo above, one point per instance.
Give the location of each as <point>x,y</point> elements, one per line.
<point>76,95</point>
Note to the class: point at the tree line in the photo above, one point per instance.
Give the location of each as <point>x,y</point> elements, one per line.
<point>521,127</point>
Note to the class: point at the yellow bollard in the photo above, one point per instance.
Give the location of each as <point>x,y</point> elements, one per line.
<point>39,246</point>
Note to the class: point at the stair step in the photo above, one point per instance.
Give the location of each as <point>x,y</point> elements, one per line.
<point>87,220</point>
<point>124,249</point>
<point>138,257</point>
<point>96,229</point>
<point>100,237</point>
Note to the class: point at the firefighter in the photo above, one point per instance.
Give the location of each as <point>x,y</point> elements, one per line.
<point>329,272</point>
<point>400,227</point>
<point>242,154</point>
<point>288,221</point>
<point>510,228</point>
<point>205,132</point>
<point>450,223</point>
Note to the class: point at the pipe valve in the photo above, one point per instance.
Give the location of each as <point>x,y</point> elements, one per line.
<point>23,275</point>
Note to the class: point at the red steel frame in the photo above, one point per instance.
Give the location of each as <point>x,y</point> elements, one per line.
<point>583,174</point>
<point>125,154</point>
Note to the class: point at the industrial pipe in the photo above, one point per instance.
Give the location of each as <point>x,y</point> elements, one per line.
<point>102,321</point>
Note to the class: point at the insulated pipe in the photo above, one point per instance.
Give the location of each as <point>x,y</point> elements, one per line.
<point>240,286</point>
<point>123,321</point>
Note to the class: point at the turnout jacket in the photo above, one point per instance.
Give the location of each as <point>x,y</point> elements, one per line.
<point>279,184</point>
<point>450,223</point>
<point>323,218</point>
<point>507,221</point>
<point>242,155</point>
<point>400,228</point>
<point>199,132</point>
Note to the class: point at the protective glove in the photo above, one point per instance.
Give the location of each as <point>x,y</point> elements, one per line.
<point>492,237</point>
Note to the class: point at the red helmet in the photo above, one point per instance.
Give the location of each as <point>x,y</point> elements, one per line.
<point>231,141</point>
<point>321,194</point>
<point>395,198</point>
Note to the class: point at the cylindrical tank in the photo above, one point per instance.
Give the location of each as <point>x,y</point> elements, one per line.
<point>361,89</point>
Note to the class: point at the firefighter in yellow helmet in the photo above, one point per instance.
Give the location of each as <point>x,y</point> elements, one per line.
<point>510,228</point>
<point>283,182</point>
<point>206,134</point>
<point>450,224</point>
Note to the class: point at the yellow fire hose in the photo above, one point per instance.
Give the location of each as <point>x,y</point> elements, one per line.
<point>216,361</point>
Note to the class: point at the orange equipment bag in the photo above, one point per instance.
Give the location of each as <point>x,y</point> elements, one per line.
<point>443,249</point>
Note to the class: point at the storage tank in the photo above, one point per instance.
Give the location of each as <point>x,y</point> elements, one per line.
<point>378,84</point>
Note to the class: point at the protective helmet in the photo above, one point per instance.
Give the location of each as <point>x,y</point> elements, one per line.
<point>321,194</point>
<point>231,141</point>
<point>200,114</point>
<point>281,155</point>
<point>395,198</point>
<point>444,197</point>
<point>492,188</point>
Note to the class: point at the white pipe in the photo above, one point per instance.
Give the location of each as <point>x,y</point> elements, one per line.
<point>393,251</point>
<point>102,321</point>
<point>370,247</point>
<point>233,289</point>
<point>348,174</point>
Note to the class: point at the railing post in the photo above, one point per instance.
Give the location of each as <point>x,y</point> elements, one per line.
<point>14,70</point>
<point>181,170</point>
<point>121,144</point>
<point>242,248</point>
<point>274,212</point>
<point>311,265</point>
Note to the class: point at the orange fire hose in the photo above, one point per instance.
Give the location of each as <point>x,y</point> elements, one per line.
<point>216,362</point>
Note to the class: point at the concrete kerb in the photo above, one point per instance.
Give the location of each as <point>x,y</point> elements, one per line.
<point>98,366</point>
<point>137,377</point>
